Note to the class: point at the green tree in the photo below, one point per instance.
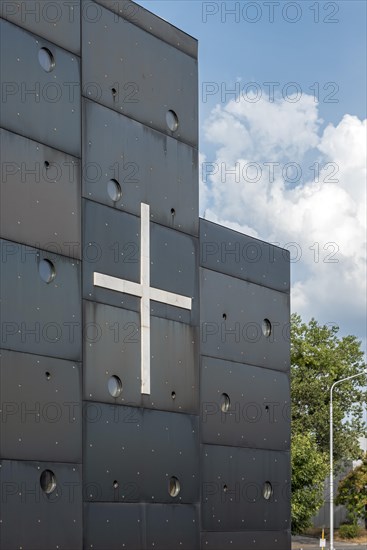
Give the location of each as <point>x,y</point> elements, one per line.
<point>352,492</point>
<point>309,469</point>
<point>319,357</point>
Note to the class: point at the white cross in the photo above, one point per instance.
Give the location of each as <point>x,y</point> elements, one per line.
<point>146,293</point>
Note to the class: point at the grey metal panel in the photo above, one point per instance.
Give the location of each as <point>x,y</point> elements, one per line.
<point>238,255</point>
<point>150,167</point>
<point>238,336</point>
<point>140,450</point>
<point>41,105</point>
<point>172,526</point>
<point>41,417</point>
<point>58,22</point>
<point>153,24</point>
<point>114,526</point>
<point>174,366</point>
<point>39,205</point>
<point>150,77</point>
<point>232,489</point>
<point>39,317</point>
<point>33,519</point>
<point>259,409</point>
<point>258,540</point>
<point>112,348</point>
<point>161,526</point>
<point>174,267</point>
<point>112,247</point>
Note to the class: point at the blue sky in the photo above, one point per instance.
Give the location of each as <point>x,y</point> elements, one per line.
<point>304,52</point>
<point>324,214</point>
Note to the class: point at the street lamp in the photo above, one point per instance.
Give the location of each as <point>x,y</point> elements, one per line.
<point>331,456</point>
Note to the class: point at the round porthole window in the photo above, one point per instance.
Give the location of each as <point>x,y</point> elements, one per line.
<point>174,487</point>
<point>266,328</point>
<point>114,386</point>
<point>47,271</point>
<point>225,403</point>
<point>48,481</point>
<point>46,60</point>
<point>172,121</point>
<point>267,490</point>
<point>114,190</point>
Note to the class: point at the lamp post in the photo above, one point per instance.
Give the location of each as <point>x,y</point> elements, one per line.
<point>331,456</point>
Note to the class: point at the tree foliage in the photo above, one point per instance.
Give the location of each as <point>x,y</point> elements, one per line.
<point>309,469</point>
<point>319,357</point>
<point>352,492</point>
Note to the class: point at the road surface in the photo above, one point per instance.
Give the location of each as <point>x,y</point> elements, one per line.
<point>305,543</point>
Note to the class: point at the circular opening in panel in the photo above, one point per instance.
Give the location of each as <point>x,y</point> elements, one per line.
<point>267,490</point>
<point>48,375</point>
<point>173,211</point>
<point>114,190</point>
<point>48,481</point>
<point>115,484</point>
<point>173,395</point>
<point>114,386</point>
<point>46,60</point>
<point>47,164</point>
<point>266,328</point>
<point>114,92</point>
<point>47,271</point>
<point>224,316</point>
<point>172,120</point>
<point>225,488</point>
<point>174,487</point>
<point>225,403</point>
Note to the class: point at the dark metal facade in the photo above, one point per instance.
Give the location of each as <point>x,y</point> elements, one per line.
<point>99,114</point>
<point>244,391</point>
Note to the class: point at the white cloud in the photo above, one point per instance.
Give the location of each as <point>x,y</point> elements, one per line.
<point>325,216</point>
<point>268,128</point>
